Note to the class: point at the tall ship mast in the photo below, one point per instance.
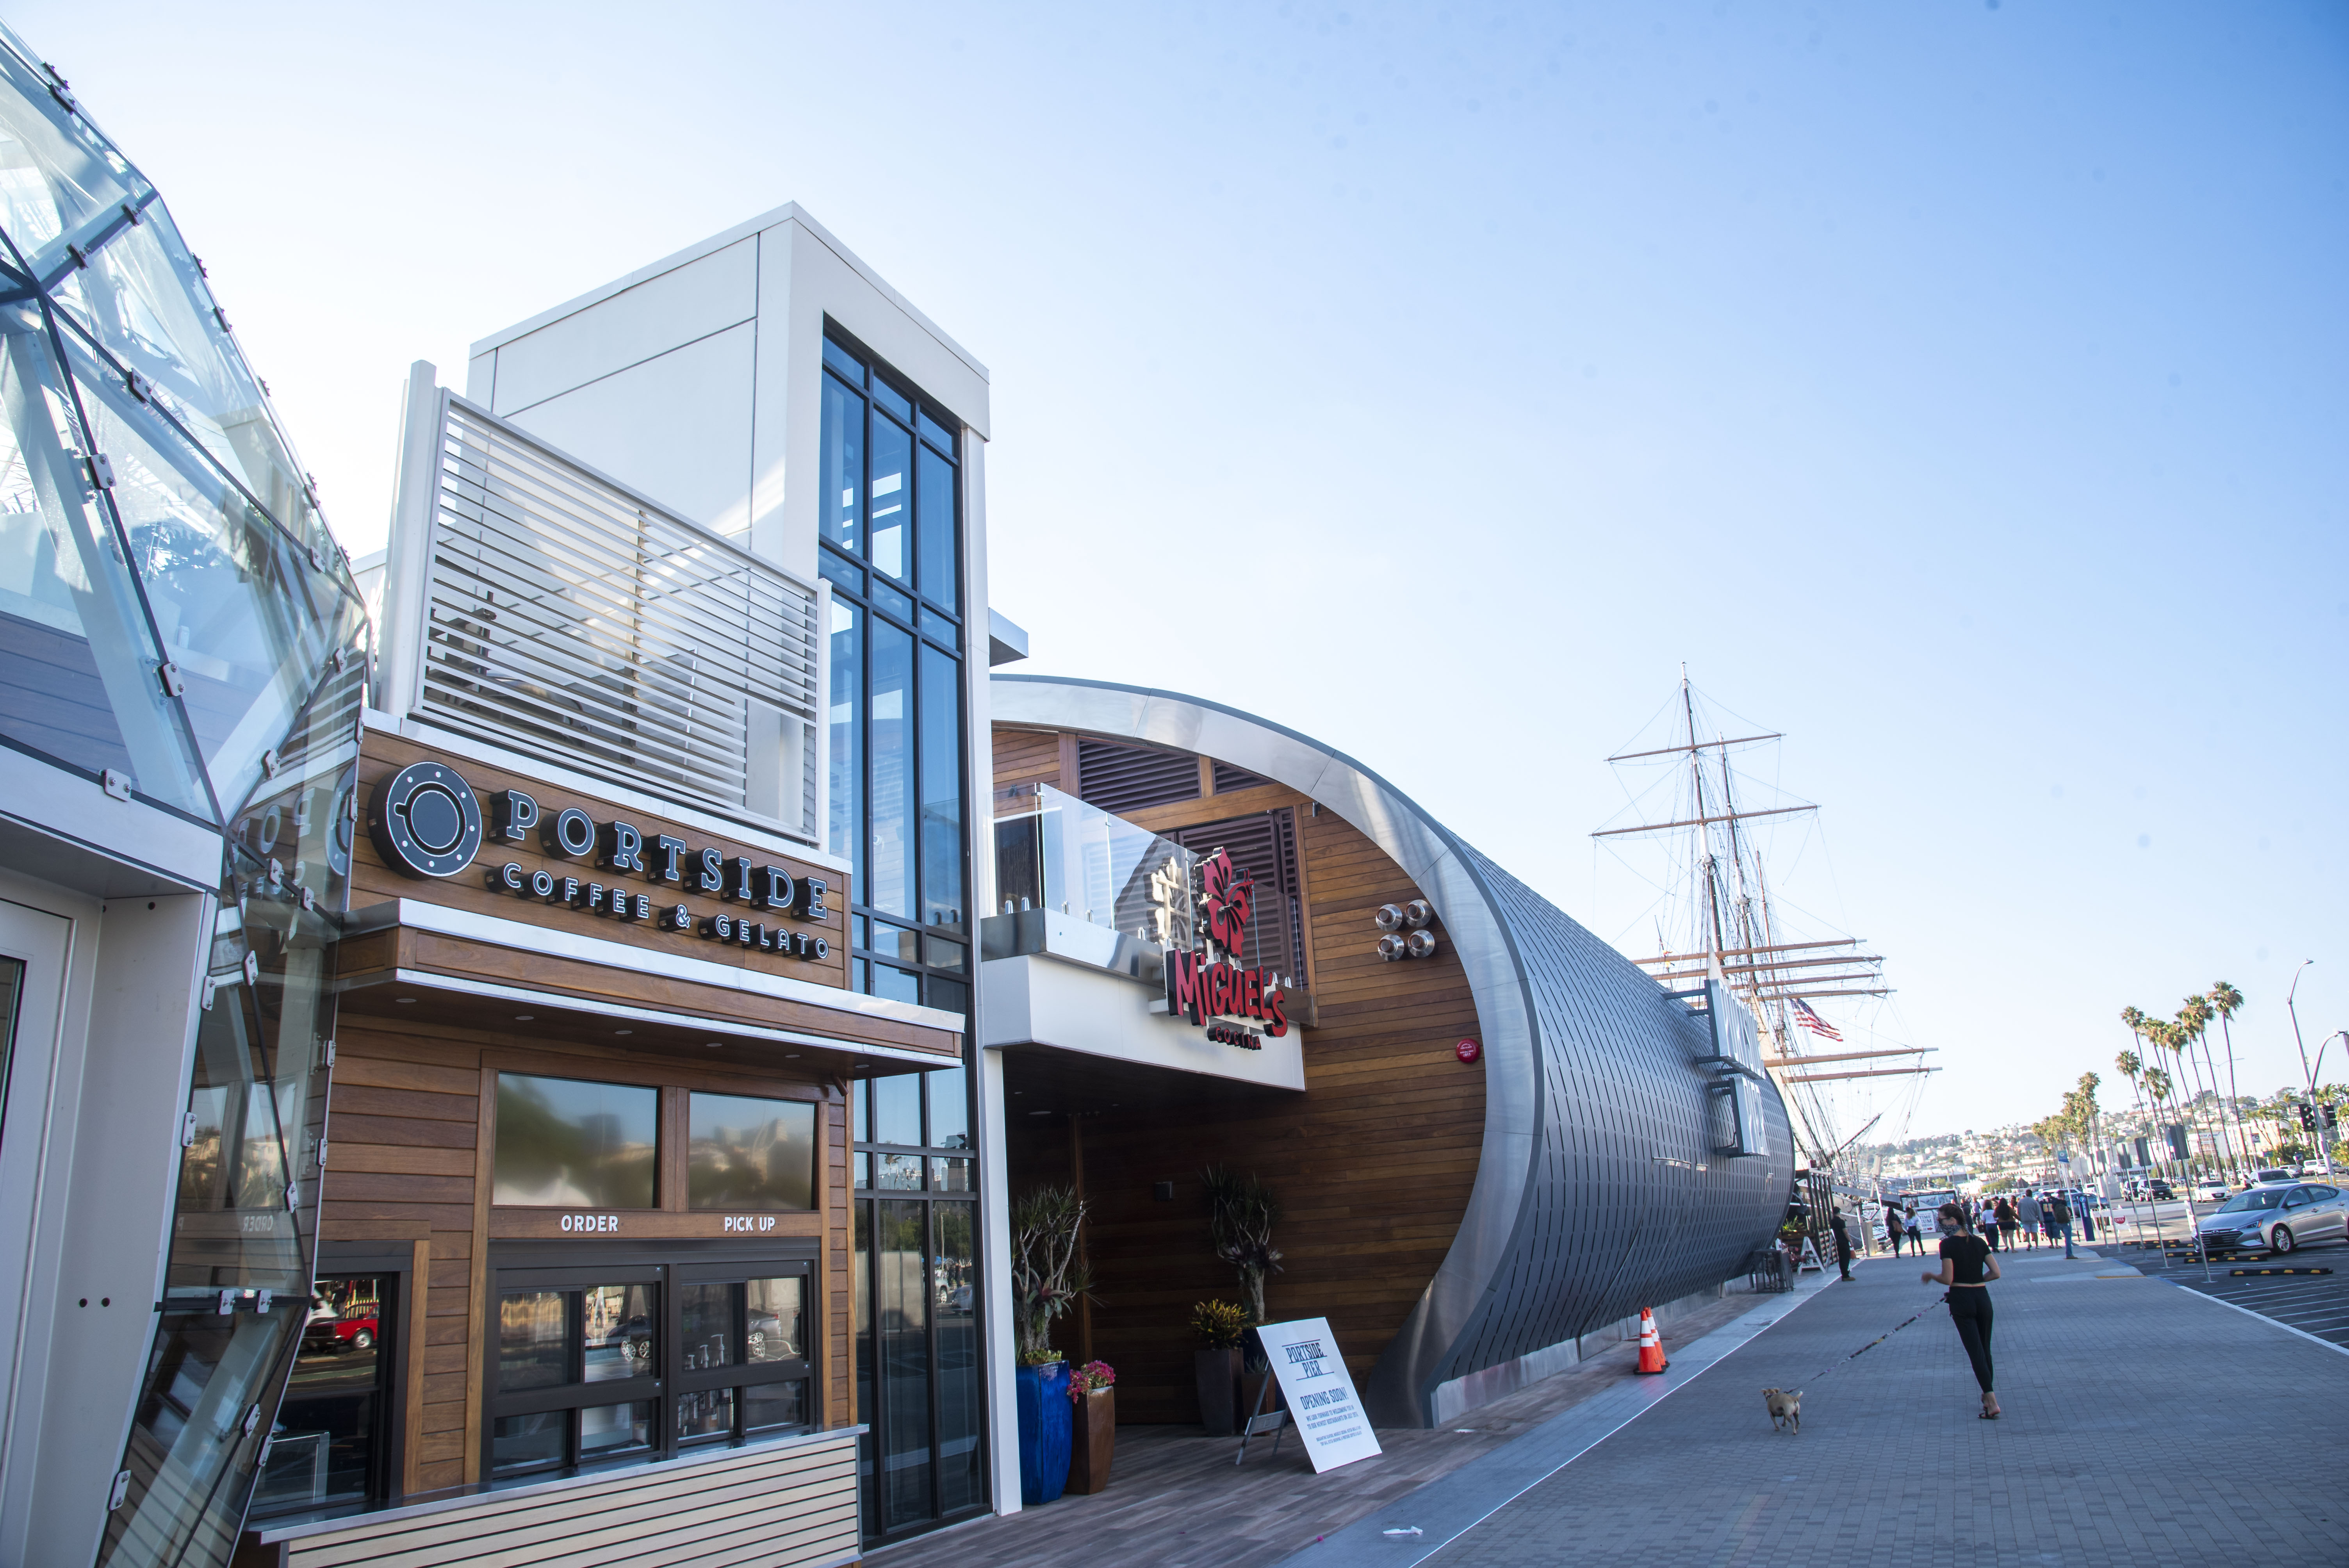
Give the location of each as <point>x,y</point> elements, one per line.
<point>1718,921</point>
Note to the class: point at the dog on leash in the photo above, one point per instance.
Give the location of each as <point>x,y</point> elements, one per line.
<point>1785,1409</point>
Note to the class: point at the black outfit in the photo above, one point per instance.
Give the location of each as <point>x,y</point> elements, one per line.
<point>1970,1309</point>
<point>1843,1244</point>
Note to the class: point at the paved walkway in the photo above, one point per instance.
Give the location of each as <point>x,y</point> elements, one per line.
<point>2146,1425</point>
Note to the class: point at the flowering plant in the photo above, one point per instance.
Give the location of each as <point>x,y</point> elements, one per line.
<point>1091,1379</point>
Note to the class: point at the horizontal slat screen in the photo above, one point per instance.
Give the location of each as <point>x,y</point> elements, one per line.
<point>571,620</point>
<point>1228,779</point>
<point>779,1509</point>
<point>1264,847</point>
<point>1120,779</point>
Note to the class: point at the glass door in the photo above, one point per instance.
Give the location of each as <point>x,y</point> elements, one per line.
<point>330,1447</point>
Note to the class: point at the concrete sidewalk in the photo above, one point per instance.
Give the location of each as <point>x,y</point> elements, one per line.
<point>2144,1425</point>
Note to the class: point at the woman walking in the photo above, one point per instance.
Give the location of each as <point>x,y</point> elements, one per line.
<point>1893,1230</point>
<point>2009,1222</point>
<point>1967,1269</point>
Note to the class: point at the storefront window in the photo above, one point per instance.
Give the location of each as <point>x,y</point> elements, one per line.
<point>892,551</point>
<point>570,1143</point>
<point>748,1153</point>
<point>328,1448</point>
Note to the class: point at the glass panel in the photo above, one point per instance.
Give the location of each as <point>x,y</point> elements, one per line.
<point>900,1172</point>
<point>840,468</point>
<point>775,1329</point>
<point>940,561</point>
<point>940,953</point>
<point>947,995</point>
<point>706,1326</point>
<point>616,1321</point>
<point>750,1153</point>
<point>12,991</point>
<point>704,1415</point>
<point>866,1370</point>
<point>528,1442</point>
<point>533,1340</point>
<point>562,1141</point>
<point>941,790</point>
<point>61,174</point>
<point>858,936</point>
<point>77,657</point>
<point>608,1431</point>
<point>937,625</point>
<point>897,985</point>
<point>949,1175</point>
<point>949,1108</point>
<point>934,432</point>
<point>861,1165</point>
<point>889,883</point>
<point>896,1109</point>
<point>839,359</point>
<point>847,786</point>
<point>892,516</point>
<point>243,613</point>
<point>860,1125</point>
<point>839,572</point>
<point>1062,853</point>
<point>890,601</point>
<point>897,402</point>
<point>895,942</point>
<point>953,1286</point>
<point>328,1438</point>
<point>903,1301</point>
<point>770,1406</point>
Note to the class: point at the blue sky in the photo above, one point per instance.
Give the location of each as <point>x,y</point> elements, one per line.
<point>1958,389</point>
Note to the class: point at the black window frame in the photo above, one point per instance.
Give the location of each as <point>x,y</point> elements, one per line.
<point>572,1267</point>
<point>943,984</point>
<point>388,1462</point>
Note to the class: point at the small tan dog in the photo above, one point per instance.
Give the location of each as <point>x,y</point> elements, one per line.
<point>1785,1409</point>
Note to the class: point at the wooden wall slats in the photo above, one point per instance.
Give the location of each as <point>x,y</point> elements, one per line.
<point>1372,1164</point>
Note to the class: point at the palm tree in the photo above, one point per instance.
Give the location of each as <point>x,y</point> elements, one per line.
<point>2194,1016</point>
<point>2170,1037</point>
<point>2225,1002</point>
<point>2157,1084</point>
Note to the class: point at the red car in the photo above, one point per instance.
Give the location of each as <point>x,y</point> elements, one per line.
<point>326,1331</point>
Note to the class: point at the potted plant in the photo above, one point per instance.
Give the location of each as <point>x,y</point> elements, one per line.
<point>1220,1326</point>
<point>1046,1281</point>
<point>1241,1212</point>
<point>1093,1436</point>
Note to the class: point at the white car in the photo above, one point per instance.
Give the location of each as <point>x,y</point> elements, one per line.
<point>2213,1192</point>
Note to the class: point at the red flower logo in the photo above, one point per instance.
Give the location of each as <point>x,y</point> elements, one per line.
<point>1229,896</point>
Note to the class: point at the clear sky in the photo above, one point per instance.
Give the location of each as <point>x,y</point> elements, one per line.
<point>1961,388</point>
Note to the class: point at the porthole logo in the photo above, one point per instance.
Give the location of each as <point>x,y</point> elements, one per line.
<point>427,820</point>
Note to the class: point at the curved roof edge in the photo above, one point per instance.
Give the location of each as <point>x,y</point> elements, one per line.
<point>1447,875</point>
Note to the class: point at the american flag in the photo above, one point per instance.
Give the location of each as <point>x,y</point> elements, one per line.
<point>1813,1023</point>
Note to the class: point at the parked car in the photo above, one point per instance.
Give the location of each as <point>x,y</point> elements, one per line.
<point>335,1332</point>
<point>2213,1192</point>
<point>2273,1174</point>
<point>2277,1218</point>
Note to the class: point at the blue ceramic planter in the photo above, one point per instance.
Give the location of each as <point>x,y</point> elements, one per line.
<point>1043,1432</point>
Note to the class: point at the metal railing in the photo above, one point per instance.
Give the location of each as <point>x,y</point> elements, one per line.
<point>571,619</point>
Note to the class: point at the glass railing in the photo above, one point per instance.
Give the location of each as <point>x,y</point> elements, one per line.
<point>1054,851</point>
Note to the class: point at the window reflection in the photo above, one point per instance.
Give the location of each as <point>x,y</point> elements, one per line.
<point>618,1332</point>
<point>706,1325</point>
<point>775,1324</point>
<point>889,526</point>
<point>561,1142</point>
<point>533,1340</point>
<point>748,1153</point>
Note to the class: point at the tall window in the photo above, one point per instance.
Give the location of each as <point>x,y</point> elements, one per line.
<point>917,1329</point>
<point>891,525</point>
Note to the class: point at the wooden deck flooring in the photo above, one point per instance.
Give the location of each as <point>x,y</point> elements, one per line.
<point>1174,1498</point>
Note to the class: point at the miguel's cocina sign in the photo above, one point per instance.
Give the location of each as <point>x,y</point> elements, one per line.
<point>427,821</point>
<point>1201,985</point>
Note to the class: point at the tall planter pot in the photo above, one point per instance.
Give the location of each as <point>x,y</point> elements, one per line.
<point>1043,1432</point>
<point>1219,1390</point>
<point>1092,1439</point>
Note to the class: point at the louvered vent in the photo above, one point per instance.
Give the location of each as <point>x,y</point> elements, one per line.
<point>1264,846</point>
<point>571,620</point>
<point>1228,779</point>
<point>1121,778</point>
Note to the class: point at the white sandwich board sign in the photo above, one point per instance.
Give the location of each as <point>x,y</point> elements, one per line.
<point>1322,1398</point>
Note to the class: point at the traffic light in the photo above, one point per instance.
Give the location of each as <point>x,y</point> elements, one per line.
<point>2332,1117</point>
<point>2307,1117</point>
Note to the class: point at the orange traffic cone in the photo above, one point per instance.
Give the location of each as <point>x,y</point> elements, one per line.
<point>1651,1345</point>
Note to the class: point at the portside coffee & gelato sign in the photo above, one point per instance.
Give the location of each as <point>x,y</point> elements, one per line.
<point>429,822</point>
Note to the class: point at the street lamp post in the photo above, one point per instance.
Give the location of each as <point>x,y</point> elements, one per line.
<point>2306,1070</point>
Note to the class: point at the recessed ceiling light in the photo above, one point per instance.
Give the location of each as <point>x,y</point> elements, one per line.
<point>1039,1113</point>
<point>526,1017</point>
<point>713,1045</point>
<point>791,1056</point>
<point>403,1001</point>
<point>624,1031</point>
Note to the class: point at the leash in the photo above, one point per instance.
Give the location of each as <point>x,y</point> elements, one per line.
<point>1873,1343</point>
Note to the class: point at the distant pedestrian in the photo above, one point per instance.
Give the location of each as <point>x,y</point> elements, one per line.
<point>1842,1242</point>
<point>1916,1236</point>
<point>2008,1224</point>
<point>2027,1211</point>
<point>1986,1223</point>
<point>2059,1223</point>
<point>1967,1269</point>
<point>1893,1229</point>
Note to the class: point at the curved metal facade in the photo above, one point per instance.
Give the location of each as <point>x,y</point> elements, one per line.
<point>1597,1189</point>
